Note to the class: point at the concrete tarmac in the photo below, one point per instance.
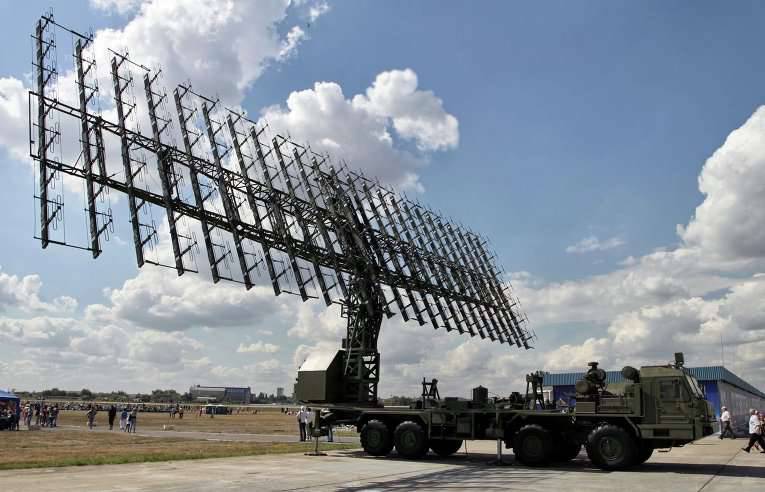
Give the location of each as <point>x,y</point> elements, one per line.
<point>710,465</point>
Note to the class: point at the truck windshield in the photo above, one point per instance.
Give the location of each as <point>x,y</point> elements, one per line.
<point>695,388</point>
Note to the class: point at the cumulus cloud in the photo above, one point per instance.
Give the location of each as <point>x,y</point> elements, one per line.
<point>13,118</point>
<point>592,243</point>
<point>317,10</point>
<point>116,6</point>
<point>693,325</point>
<point>257,347</point>
<point>199,41</point>
<point>41,331</point>
<point>685,298</point>
<point>188,39</point>
<point>24,293</point>
<point>416,114</point>
<point>361,128</point>
<point>728,225</point>
<point>155,300</point>
<point>160,348</point>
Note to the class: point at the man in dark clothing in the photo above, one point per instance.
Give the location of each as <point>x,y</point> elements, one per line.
<point>112,415</point>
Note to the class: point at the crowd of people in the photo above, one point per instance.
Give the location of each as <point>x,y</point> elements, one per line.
<point>756,429</point>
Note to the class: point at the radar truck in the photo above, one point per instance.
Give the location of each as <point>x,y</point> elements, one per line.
<point>619,425</point>
<point>313,227</point>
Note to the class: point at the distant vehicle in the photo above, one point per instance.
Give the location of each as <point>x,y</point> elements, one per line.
<point>662,407</point>
<point>216,410</point>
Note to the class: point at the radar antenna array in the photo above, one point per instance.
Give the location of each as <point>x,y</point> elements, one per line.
<point>296,220</point>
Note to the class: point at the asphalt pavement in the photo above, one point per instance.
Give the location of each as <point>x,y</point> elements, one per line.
<point>710,465</point>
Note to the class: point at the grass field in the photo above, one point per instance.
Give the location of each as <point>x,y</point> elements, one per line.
<point>65,446</point>
<point>270,421</point>
<point>60,447</point>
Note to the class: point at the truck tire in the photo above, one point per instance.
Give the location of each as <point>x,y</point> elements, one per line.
<point>532,445</point>
<point>645,450</point>
<point>376,438</point>
<point>410,439</point>
<point>445,447</point>
<point>566,450</point>
<point>610,447</point>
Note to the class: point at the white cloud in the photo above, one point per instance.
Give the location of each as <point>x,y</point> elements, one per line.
<point>155,300</point>
<point>315,322</point>
<point>258,347</point>
<point>416,114</point>
<point>189,39</point>
<point>728,225</point>
<point>199,41</point>
<point>592,243</point>
<point>24,293</point>
<point>360,129</point>
<point>317,10</point>
<point>13,118</point>
<point>161,348</point>
<point>290,43</point>
<point>38,332</point>
<point>120,7</point>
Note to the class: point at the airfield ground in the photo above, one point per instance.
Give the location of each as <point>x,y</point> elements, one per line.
<point>708,465</point>
<point>159,438</point>
<point>266,421</point>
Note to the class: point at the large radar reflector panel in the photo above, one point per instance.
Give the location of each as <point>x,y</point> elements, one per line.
<point>256,206</point>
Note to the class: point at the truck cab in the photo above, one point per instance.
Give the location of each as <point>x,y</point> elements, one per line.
<point>659,406</point>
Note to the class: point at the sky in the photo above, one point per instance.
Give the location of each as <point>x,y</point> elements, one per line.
<point>612,151</point>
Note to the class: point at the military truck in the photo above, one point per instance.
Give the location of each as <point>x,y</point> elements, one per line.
<point>618,425</point>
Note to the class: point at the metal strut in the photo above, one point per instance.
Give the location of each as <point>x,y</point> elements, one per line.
<point>363,307</point>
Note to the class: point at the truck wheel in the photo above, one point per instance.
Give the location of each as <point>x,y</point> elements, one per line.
<point>376,439</point>
<point>411,441</point>
<point>611,448</point>
<point>566,450</point>
<point>645,450</point>
<point>532,445</point>
<point>445,447</point>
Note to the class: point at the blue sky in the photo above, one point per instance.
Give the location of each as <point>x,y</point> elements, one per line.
<point>576,119</point>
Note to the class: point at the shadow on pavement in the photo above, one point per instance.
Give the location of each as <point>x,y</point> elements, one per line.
<point>474,471</point>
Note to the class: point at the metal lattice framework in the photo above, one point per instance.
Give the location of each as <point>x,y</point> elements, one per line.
<point>295,219</point>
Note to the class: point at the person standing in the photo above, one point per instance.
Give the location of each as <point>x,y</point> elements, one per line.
<point>123,419</point>
<point>133,420</point>
<point>54,416</point>
<point>725,423</point>
<point>330,435</point>
<point>302,418</point>
<point>755,431</point>
<point>91,416</point>
<point>112,416</point>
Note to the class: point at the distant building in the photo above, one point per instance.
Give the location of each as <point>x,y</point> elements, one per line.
<point>721,387</point>
<point>280,392</point>
<point>220,394</point>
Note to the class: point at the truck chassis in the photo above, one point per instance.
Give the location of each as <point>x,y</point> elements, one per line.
<point>662,409</point>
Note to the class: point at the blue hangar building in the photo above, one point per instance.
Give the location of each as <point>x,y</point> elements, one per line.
<point>721,387</point>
